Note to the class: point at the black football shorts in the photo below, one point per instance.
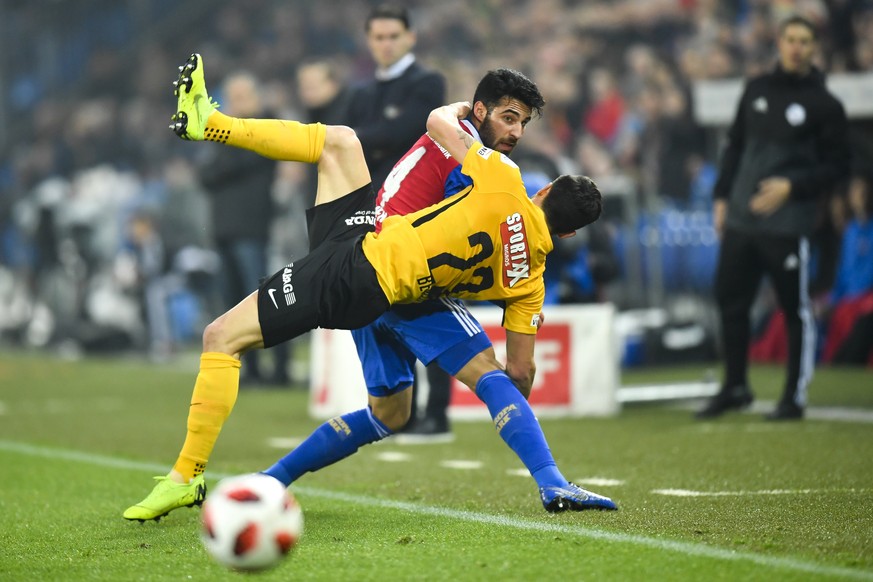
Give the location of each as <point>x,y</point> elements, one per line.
<point>334,286</point>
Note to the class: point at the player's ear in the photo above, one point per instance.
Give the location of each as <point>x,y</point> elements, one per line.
<point>480,112</point>
<point>542,193</point>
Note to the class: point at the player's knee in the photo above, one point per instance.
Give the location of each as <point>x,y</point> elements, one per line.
<point>215,337</point>
<point>394,415</point>
<point>340,138</point>
<point>482,363</point>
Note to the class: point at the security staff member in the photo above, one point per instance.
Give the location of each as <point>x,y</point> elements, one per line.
<point>787,148</point>
<point>389,113</point>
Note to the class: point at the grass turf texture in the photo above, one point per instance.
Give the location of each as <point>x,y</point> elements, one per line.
<point>79,442</point>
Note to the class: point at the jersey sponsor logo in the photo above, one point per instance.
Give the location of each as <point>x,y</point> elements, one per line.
<point>516,254</point>
<point>425,284</point>
<point>486,152</point>
<point>795,114</point>
<point>287,287</point>
<point>362,217</point>
<point>443,150</point>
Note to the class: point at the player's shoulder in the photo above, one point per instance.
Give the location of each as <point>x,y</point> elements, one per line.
<point>493,156</point>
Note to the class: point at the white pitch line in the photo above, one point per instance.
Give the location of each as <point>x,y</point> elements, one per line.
<point>592,481</point>
<point>461,464</point>
<point>285,443</point>
<point>685,548</point>
<point>598,481</point>
<point>393,457</point>
<point>690,493</point>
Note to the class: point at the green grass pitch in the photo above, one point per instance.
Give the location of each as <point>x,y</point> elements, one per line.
<point>79,442</point>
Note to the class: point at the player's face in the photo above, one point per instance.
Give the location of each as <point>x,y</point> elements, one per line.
<point>796,47</point>
<point>315,85</point>
<point>241,97</point>
<point>389,41</point>
<point>504,125</point>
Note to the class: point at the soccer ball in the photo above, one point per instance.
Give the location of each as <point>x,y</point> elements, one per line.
<point>250,522</point>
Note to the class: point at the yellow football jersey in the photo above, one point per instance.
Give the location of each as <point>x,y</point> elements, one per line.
<point>488,242</point>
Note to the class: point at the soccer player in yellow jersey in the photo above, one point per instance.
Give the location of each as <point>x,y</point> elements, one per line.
<point>488,242</point>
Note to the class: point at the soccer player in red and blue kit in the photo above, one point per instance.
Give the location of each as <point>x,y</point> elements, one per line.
<point>440,330</point>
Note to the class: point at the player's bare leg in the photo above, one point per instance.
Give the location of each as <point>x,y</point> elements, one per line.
<point>393,410</point>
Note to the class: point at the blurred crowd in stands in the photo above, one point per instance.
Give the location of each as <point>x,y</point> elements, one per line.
<point>106,235</point>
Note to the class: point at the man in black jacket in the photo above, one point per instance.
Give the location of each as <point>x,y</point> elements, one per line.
<point>788,147</point>
<point>389,115</point>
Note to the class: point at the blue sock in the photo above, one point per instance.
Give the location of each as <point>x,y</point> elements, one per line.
<point>334,440</point>
<point>517,425</point>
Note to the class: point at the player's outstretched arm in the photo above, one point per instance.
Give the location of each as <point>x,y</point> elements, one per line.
<point>443,127</point>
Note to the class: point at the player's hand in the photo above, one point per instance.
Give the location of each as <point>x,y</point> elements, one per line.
<point>460,109</point>
<point>541,320</point>
<point>771,195</point>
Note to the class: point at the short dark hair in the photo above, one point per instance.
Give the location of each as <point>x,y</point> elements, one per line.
<point>573,202</point>
<point>388,11</point>
<point>499,84</point>
<point>798,20</point>
<point>331,69</point>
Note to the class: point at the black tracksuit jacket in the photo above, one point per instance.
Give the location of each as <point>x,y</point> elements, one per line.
<point>786,126</point>
<point>389,116</point>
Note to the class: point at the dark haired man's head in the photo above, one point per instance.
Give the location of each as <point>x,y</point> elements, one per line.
<point>796,45</point>
<point>504,102</point>
<point>500,84</point>
<point>798,20</point>
<point>570,203</point>
<point>388,12</point>
<point>389,36</point>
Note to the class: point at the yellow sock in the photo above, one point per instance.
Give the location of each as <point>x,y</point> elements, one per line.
<point>276,139</point>
<point>214,395</point>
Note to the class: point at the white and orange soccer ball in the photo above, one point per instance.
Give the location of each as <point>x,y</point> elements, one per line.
<point>250,522</point>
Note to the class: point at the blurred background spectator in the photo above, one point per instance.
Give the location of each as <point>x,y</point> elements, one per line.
<point>240,184</point>
<point>84,149</point>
